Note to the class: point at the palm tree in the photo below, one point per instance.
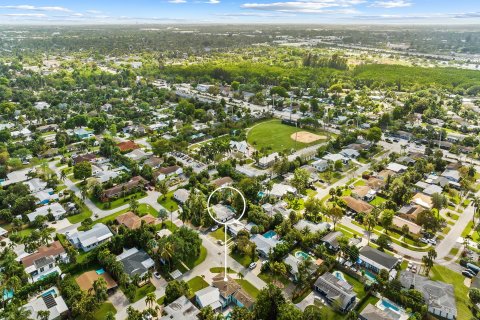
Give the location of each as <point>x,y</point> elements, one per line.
<point>43,314</point>
<point>46,236</point>
<point>63,175</point>
<point>476,207</point>
<point>83,192</point>
<point>162,215</point>
<point>166,252</point>
<point>136,279</point>
<point>134,205</point>
<point>150,299</point>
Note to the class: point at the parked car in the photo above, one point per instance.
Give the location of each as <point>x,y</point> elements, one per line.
<point>214,228</point>
<point>157,275</point>
<point>432,241</point>
<point>220,242</point>
<point>252,265</point>
<point>467,274</point>
<point>424,240</point>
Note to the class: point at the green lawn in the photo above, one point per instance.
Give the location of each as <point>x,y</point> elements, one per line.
<point>201,257</point>
<point>197,284</point>
<point>268,277</point>
<point>168,202</point>
<point>101,312</point>
<point>275,136</point>
<point>441,273</point>
<point>117,202</point>
<point>85,212</point>
<point>359,183</point>
<point>248,287</point>
<point>219,234</point>
<point>377,201</point>
<point>110,217</point>
<point>243,260</point>
<point>143,291</point>
<point>144,209</point>
<point>358,286</point>
<point>370,300</point>
<point>221,269</point>
<point>302,296</point>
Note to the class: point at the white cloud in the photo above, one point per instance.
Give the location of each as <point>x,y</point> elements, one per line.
<point>310,6</point>
<point>392,4</point>
<point>25,15</point>
<point>213,1</point>
<point>94,11</point>
<point>35,8</point>
<point>177,1</point>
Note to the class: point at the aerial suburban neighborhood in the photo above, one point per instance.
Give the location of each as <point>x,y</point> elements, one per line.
<point>243,172</point>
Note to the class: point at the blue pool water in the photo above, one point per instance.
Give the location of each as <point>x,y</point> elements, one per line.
<point>46,275</point>
<point>339,276</point>
<point>270,234</point>
<point>370,276</point>
<point>301,255</point>
<point>100,271</point>
<point>261,194</point>
<point>52,291</point>
<point>7,294</point>
<point>390,305</point>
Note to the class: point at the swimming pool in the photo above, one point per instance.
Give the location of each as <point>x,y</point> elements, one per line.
<point>339,275</point>
<point>51,291</point>
<point>100,271</point>
<point>370,276</point>
<point>302,255</point>
<point>270,234</point>
<point>387,304</point>
<point>7,294</point>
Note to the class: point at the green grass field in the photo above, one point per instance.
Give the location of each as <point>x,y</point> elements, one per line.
<point>275,136</point>
<point>168,202</point>
<point>196,284</point>
<point>441,273</point>
<point>143,291</point>
<point>102,311</point>
<point>248,287</point>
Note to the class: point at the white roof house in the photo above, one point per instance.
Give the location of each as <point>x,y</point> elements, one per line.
<point>181,195</point>
<point>239,146</point>
<point>267,161</point>
<point>17,176</point>
<point>87,240</point>
<point>280,189</point>
<point>432,188</point>
<point>396,167</point>
<point>222,212</point>
<point>36,185</point>
<point>313,227</point>
<point>209,296</point>
<point>452,175</point>
<point>321,165</point>
<point>350,153</point>
<point>50,300</point>
<point>334,157</point>
<point>55,209</point>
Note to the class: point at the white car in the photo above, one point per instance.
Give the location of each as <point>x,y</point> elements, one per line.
<point>157,275</point>
<point>214,228</point>
<point>252,265</point>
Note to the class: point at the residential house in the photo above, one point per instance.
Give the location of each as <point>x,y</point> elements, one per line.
<point>224,181</point>
<point>153,162</point>
<point>364,193</point>
<point>439,296</point>
<point>423,200</point>
<point>335,290</point>
<point>263,244</point>
<point>55,209</point>
<point>375,260</point>
<point>240,147</point>
<point>376,183</point>
<point>452,175</point>
<point>82,133</point>
<point>131,221</point>
<point>410,212</point>
<point>330,240</point>
<point>90,239</point>
<point>334,157</point>
<point>209,297</point>
<point>371,312</point>
<point>313,173</point>
<point>36,185</point>
<point>181,195</point>
<point>127,146</point>
<point>268,161</point>
<point>88,157</point>
<point>279,190</point>
<point>357,205</point>
<point>432,189</point>
<point>137,155</point>
<point>413,228</point>
<point>313,227</point>
<point>396,167</point>
<point>167,172</point>
<point>180,309</point>
<point>321,165</point>
<point>135,262</point>
<point>136,182</point>
<point>44,261</point>
<point>406,161</point>
<point>17,176</point>
<point>222,213</point>
<point>292,263</point>
<point>85,280</point>
<point>231,292</point>
<point>350,153</point>
<point>49,300</point>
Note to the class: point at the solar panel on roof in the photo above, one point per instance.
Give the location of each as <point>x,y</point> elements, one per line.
<point>49,301</point>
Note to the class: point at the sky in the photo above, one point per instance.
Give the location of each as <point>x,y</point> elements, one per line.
<point>240,11</point>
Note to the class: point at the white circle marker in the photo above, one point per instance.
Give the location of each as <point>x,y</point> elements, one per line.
<point>226,223</point>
